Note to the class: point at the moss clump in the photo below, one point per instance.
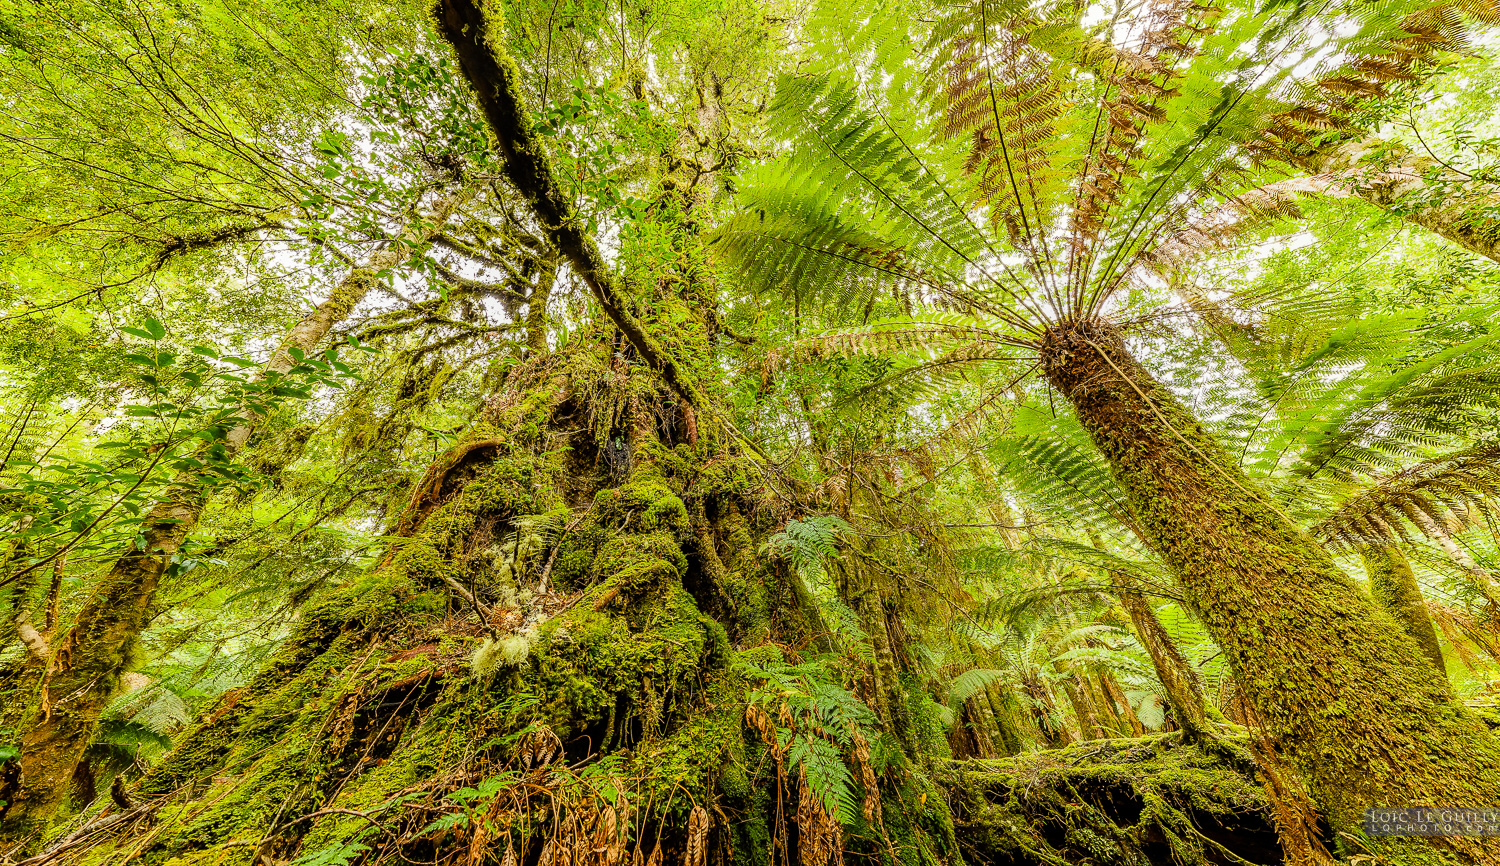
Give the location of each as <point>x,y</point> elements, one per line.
<point>667,512</point>
<point>635,563</point>
<point>1149,800</point>
<point>640,504</point>
<point>588,664</point>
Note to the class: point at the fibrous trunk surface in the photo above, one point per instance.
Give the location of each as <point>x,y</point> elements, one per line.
<point>1334,681</point>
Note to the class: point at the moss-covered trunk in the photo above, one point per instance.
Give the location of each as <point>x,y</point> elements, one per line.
<point>1334,681</point>
<point>1390,176</point>
<point>1393,586</point>
<point>586,693</point>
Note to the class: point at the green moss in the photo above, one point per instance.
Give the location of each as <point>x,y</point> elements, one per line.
<point>926,718</point>
<point>667,512</point>
<point>640,504</point>
<point>587,662</point>
<point>686,766</point>
<point>1107,801</point>
<point>635,563</point>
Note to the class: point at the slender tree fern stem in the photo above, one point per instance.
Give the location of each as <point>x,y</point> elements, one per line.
<point>1394,587</point>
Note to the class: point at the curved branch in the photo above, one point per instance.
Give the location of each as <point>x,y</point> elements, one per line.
<point>493,75</point>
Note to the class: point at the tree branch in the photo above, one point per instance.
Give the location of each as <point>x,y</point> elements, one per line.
<point>494,77</point>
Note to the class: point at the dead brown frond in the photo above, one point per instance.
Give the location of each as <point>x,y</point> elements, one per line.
<point>866,768</point>
<point>1435,492</point>
<point>1461,630</point>
<point>820,838</point>
<point>696,853</point>
<point>540,747</point>
<point>1220,228</point>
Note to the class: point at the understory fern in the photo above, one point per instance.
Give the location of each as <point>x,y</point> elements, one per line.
<point>820,728</point>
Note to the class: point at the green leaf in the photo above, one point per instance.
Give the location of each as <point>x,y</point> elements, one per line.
<point>334,854</point>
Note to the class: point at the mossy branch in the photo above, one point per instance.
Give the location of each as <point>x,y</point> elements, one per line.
<point>494,77</point>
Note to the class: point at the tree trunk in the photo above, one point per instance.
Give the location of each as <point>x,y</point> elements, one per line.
<point>536,307</point>
<point>85,667</point>
<point>1044,710</point>
<point>866,603</point>
<point>1390,176</point>
<point>387,701</point>
<point>1331,678</point>
<point>1076,687</point>
<point>1126,713</point>
<point>1394,587</point>
<point>1184,690</point>
<point>1013,724</point>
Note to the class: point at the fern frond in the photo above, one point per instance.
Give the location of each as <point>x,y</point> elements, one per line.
<point>1438,488</point>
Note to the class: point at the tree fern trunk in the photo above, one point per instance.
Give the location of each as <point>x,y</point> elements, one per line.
<point>1013,725</point>
<point>1394,587</point>
<point>1184,691</point>
<point>1131,724</point>
<point>1075,686</point>
<point>1331,678</point>
<point>1391,177</point>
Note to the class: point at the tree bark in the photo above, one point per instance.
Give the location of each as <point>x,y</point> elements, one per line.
<point>85,667</point>
<point>1076,689</point>
<point>1394,587</point>
<point>1126,713</point>
<point>493,75</point>
<point>1391,176</point>
<point>1332,679</point>
<point>1184,690</point>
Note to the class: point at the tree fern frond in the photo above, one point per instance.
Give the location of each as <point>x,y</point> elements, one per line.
<point>1451,484</point>
<point>971,682</point>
